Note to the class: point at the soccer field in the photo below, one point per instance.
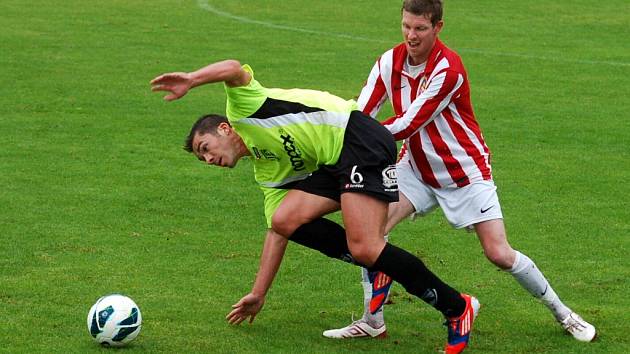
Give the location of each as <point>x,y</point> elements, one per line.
<point>97,195</point>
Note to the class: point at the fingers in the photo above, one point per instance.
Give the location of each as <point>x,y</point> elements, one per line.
<point>237,316</point>
<point>155,87</point>
<point>176,84</point>
<point>170,97</point>
<point>242,310</point>
<point>236,319</point>
<point>232,316</point>
<point>157,79</point>
<point>238,322</point>
<point>165,77</point>
<point>164,82</point>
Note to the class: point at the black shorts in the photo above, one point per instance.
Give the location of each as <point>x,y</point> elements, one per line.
<point>367,164</point>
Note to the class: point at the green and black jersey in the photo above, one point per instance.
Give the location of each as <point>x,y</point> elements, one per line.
<point>290,133</point>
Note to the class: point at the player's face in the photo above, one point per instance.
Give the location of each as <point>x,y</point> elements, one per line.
<point>419,36</point>
<point>219,150</point>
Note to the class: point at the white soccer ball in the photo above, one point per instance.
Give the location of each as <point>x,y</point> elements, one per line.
<point>114,320</point>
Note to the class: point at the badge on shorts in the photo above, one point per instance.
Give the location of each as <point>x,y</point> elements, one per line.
<point>390,179</point>
<point>356,178</point>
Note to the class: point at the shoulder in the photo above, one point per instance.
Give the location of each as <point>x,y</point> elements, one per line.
<point>447,58</point>
<point>243,75</point>
<point>393,59</point>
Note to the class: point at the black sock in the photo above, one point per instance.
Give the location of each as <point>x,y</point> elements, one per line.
<point>417,279</point>
<point>329,238</point>
<point>325,236</point>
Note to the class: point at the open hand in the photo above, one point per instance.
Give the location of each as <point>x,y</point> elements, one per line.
<point>248,306</point>
<point>177,84</point>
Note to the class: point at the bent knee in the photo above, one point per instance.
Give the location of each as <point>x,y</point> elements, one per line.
<point>364,255</point>
<point>502,257</point>
<point>283,225</point>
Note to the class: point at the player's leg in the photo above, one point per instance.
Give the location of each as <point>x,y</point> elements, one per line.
<point>298,208</point>
<point>398,211</point>
<point>414,197</point>
<point>367,180</point>
<point>364,217</point>
<point>325,236</point>
<point>494,242</point>
<point>375,286</point>
<point>282,205</point>
<point>479,206</point>
<point>368,184</point>
<point>298,215</point>
<point>493,239</point>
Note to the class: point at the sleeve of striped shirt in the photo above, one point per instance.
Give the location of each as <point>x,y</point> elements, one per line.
<point>373,93</point>
<point>427,106</point>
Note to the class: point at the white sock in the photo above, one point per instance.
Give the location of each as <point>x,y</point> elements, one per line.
<point>530,278</point>
<point>375,320</point>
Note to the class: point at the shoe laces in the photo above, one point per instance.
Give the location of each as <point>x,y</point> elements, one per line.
<point>355,321</point>
<point>573,324</point>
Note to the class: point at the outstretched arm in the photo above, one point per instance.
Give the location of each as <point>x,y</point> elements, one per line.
<point>179,83</point>
<point>270,260</point>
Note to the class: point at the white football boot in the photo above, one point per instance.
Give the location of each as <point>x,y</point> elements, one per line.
<point>357,329</point>
<point>579,329</point>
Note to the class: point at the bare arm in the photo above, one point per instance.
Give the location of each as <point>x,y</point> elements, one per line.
<point>270,260</point>
<point>179,83</point>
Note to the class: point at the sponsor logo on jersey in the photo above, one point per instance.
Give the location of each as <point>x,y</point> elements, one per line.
<point>256,152</point>
<point>269,155</point>
<point>424,84</point>
<point>260,153</point>
<point>294,153</point>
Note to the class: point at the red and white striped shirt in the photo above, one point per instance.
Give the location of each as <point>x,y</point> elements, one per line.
<point>434,116</point>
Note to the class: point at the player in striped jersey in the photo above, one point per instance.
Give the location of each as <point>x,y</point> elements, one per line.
<point>444,161</point>
<point>329,157</point>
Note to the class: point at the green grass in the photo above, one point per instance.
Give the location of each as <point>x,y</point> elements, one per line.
<point>98,197</point>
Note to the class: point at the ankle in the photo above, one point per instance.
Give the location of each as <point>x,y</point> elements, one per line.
<point>374,320</point>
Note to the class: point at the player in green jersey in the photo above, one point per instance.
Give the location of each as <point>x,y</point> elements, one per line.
<point>313,154</point>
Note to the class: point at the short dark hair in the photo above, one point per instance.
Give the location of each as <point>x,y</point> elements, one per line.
<point>430,8</point>
<point>205,124</point>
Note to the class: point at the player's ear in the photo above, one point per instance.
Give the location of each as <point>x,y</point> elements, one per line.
<point>224,129</point>
<point>438,26</point>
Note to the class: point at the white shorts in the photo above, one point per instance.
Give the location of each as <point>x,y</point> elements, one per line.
<point>462,206</point>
